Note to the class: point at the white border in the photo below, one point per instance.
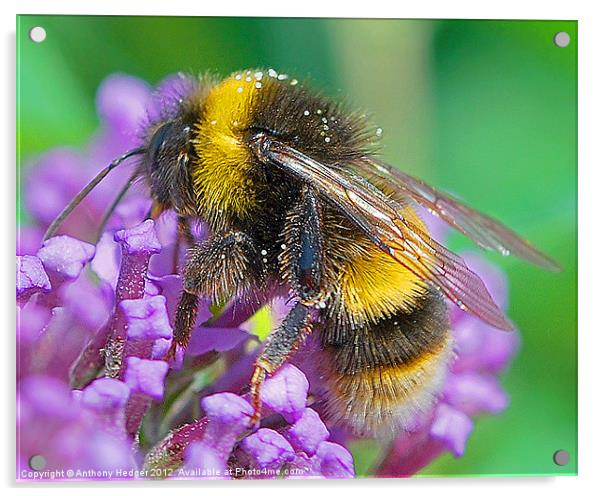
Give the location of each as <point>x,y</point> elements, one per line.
<point>590,164</point>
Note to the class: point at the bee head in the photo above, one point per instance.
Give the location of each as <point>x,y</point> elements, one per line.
<point>166,166</point>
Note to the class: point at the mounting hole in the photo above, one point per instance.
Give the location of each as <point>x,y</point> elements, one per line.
<point>562,39</point>
<point>561,457</point>
<point>37,34</point>
<point>37,462</point>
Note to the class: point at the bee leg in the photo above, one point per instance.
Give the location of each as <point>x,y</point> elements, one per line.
<point>302,256</point>
<point>302,264</point>
<point>184,323</point>
<point>224,266</point>
<point>280,344</point>
<point>218,268</point>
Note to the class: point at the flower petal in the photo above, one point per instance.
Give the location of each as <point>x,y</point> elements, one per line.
<point>229,417</point>
<point>334,461</point>
<point>105,394</point>
<point>206,339</point>
<point>286,392</point>
<point>170,286</point>
<point>65,257</point>
<point>146,318</point>
<point>227,408</point>
<point>52,182</point>
<point>31,276</point>
<point>452,427</point>
<point>146,376</point>
<point>475,393</point>
<point>92,311</point>
<point>122,102</point>
<point>481,347</point>
<point>139,240</point>
<point>205,462</point>
<point>46,396</point>
<point>268,448</point>
<point>106,260</point>
<point>308,432</point>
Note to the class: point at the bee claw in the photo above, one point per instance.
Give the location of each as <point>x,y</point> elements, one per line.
<point>171,353</point>
<point>255,421</point>
<point>257,380</point>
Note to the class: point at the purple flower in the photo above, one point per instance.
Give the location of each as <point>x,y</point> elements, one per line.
<point>452,427</point>
<point>31,277</point>
<point>286,393</point>
<point>122,101</point>
<point>140,240</point>
<point>475,393</point>
<point>105,394</point>
<point>146,318</point>
<point>267,452</point>
<point>216,339</point>
<point>205,463</point>
<point>268,448</point>
<point>65,257</point>
<point>229,417</point>
<point>334,461</point>
<point>58,177</point>
<point>67,432</point>
<point>146,376</point>
<point>307,433</point>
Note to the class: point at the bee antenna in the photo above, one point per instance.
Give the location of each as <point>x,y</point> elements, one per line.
<point>56,223</point>
<point>111,209</point>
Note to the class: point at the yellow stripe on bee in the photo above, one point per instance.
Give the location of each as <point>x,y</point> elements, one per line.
<point>374,285</point>
<point>221,175</point>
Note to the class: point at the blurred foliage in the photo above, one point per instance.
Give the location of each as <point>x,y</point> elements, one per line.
<point>485,109</point>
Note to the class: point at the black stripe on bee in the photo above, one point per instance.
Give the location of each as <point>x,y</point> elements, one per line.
<point>396,340</point>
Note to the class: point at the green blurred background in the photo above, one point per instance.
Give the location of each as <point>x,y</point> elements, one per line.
<point>486,109</point>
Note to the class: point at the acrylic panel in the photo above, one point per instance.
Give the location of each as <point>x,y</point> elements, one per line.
<point>252,202</point>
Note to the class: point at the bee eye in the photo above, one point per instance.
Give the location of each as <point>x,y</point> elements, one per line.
<point>158,141</point>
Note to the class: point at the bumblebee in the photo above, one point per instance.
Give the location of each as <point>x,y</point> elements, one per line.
<point>294,196</point>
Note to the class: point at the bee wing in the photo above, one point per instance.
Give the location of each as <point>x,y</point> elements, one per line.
<point>482,229</point>
<point>381,218</point>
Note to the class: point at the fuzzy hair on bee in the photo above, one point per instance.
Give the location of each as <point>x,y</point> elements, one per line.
<point>296,200</point>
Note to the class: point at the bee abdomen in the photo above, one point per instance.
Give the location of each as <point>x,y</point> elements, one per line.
<point>382,376</point>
